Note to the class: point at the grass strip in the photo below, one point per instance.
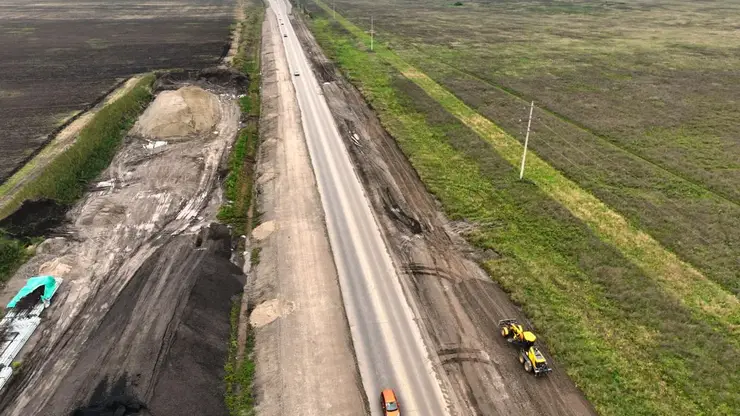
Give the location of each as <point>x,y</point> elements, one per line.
<point>238,190</point>
<point>239,373</point>
<point>690,287</point>
<point>626,340</point>
<point>239,181</point>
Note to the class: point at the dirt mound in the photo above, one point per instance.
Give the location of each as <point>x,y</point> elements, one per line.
<point>58,267</point>
<point>225,77</point>
<point>176,79</point>
<point>269,311</point>
<point>176,115</point>
<point>34,219</point>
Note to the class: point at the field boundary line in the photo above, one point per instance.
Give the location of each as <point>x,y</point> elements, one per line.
<point>604,139</point>
<point>678,278</point>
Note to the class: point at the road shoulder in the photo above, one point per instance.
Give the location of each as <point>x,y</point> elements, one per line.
<point>303,349</point>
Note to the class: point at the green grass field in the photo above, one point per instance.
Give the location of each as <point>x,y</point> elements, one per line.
<point>637,101</point>
<point>640,331</point>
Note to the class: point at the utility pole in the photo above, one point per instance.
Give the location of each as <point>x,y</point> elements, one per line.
<point>372,31</point>
<point>526,140</point>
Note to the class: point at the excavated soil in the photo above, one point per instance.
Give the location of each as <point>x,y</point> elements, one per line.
<point>34,219</point>
<point>457,302</point>
<point>141,323</point>
<point>163,120</point>
<point>228,79</point>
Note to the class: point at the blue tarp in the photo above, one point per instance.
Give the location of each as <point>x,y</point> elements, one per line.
<point>32,284</point>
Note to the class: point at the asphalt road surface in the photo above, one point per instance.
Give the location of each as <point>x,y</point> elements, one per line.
<point>387,341</point>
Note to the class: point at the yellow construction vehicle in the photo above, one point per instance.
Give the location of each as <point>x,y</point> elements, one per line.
<point>529,355</point>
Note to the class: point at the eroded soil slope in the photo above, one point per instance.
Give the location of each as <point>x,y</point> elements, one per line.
<point>144,308</point>
<point>458,303</point>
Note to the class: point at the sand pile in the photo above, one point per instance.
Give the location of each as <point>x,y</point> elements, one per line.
<point>187,112</point>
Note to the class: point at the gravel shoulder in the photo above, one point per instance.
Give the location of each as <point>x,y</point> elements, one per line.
<point>144,307</point>
<point>303,349</point>
<point>458,304</point>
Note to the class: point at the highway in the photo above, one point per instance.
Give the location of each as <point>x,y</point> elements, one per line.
<point>387,341</point>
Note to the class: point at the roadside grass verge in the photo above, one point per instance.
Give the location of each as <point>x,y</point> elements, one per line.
<point>67,177</point>
<point>239,372</point>
<point>238,211</point>
<point>239,181</point>
<point>247,58</point>
<point>622,319</point>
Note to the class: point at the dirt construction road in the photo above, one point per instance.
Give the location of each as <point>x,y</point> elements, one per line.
<point>144,308</point>
<point>303,350</point>
<point>457,303</point>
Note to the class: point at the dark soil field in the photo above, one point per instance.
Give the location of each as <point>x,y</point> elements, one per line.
<point>58,57</point>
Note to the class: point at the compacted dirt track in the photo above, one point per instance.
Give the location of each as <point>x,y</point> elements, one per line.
<point>457,302</point>
<point>143,312</point>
